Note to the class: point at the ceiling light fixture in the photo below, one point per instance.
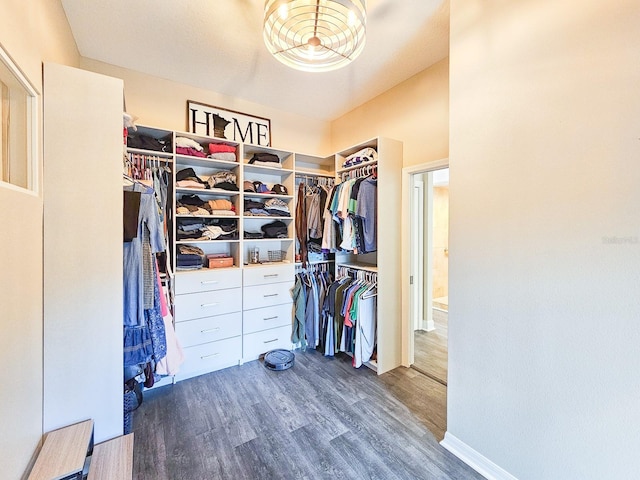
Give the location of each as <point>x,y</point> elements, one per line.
<point>315,35</point>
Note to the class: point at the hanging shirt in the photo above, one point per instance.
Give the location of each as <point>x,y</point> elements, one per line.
<point>328,232</point>
<point>365,330</point>
<point>299,305</point>
<point>367,209</point>
<point>132,253</point>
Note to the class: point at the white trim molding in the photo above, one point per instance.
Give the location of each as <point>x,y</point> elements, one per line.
<point>475,460</point>
<point>31,125</point>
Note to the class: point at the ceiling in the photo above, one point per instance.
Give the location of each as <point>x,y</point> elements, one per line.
<point>217,45</point>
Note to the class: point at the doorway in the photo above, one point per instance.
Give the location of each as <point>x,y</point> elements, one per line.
<point>419,316</point>
<point>429,272</point>
<point>425,268</point>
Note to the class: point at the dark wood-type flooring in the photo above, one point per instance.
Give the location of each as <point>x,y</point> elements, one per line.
<point>321,419</point>
<point>430,348</point>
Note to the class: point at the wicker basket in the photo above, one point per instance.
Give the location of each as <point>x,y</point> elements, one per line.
<point>277,255</point>
<point>130,404</point>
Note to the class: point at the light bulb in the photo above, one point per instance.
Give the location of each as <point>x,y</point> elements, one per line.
<point>283,11</point>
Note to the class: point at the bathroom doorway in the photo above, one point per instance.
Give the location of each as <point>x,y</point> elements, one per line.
<point>430,272</point>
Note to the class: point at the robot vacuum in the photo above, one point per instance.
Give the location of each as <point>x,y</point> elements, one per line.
<point>279,359</point>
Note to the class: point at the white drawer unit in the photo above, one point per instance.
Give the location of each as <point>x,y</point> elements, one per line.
<point>268,317</point>
<point>212,356</point>
<point>255,344</point>
<point>210,329</point>
<point>270,274</point>
<point>208,304</point>
<point>207,279</point>
<point>260,296</point>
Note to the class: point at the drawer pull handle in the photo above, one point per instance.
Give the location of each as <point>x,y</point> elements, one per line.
<point>272,275</point>
<point>211,330</point>
<point>207,305</point>
<point>209,282</point>
<point>272,295</point>
<point>271,341</point>
<point>270,318</point>
<point>209,356</point>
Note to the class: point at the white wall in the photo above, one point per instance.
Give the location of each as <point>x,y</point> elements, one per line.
<point>416,112</point>
<point>162,103</point>
<point>544,328</point>
<point>29,32</point>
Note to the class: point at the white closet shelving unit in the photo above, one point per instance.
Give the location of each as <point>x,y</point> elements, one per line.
<point>269,176</point>
<point>227,316</point>
<point>385,261</point>
<point>267,303</point>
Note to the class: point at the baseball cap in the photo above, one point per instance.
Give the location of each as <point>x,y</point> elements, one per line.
<point>248,186</point>
<point>280,189</point>
<point>261,187</point>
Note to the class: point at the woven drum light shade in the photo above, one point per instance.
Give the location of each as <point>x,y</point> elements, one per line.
<point>315,35</point>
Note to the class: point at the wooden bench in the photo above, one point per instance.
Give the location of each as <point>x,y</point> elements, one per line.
<point>69,454</point>
<point>64,453</point>
<point>113,459</point>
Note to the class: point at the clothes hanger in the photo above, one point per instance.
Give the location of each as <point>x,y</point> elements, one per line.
<point>128,181</point>
<point>368,293</point>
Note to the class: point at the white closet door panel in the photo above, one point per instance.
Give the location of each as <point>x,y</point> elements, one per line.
<point>389,256</point>
<point>205,330</point>
<point>207,280</point>
<point>82,191</point>
<point>268,317</point>
<point>270,274</point>
<point>255,344</point>
<point>210,356</point>
<point>207,304</point>
<point>260,296</point>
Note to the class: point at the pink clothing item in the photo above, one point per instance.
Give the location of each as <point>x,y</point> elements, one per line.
<point>170,364</point>
<point>163,299</point>
<point>192,152</point>
<point>347,317</point>
<point>221,147</point>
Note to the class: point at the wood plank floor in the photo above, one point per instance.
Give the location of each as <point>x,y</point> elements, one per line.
<point>321,419</point>
<point>430,348</point>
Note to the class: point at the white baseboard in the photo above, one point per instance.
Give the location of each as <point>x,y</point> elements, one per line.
<point>475,460</point>
<point>429,325</point>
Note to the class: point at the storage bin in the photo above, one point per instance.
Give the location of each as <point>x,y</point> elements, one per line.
<point>277,255</point>
<point>220,262</point>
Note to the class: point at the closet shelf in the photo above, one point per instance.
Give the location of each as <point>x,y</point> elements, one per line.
<point>265,217</point>
<point>265,263</point>
<point>205,269</point>
<point>359,266</point>
<point>251,240</point>
<point>354,167</point>
<point>205,162</point>
<point>283,172</point>
<point>309,173</point>
<point>208,191</point>
<point>164,156</point>
<point>207,216</point>
<point>193,242</point>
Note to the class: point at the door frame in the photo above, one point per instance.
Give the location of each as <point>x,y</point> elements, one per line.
<point>406,208</point>
<point>417,270</point>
